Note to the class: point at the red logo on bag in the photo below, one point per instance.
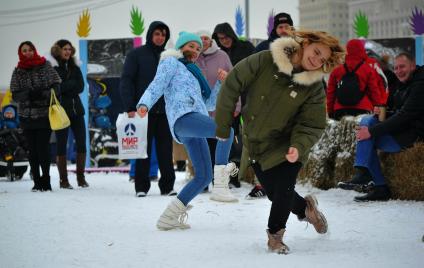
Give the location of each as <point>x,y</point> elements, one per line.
<point>130,143</point>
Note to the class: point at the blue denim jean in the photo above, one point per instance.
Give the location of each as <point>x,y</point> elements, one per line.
<point>192,130</point>
<point>366,151</point>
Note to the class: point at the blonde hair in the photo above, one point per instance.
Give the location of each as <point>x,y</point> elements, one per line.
<point>337,50</point>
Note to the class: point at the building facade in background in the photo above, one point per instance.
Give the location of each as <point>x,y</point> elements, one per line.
<point>386,18</point>
<point>331,16</point>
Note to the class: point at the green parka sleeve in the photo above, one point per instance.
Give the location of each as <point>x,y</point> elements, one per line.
<point>310,121</point>
<point>238,81</point>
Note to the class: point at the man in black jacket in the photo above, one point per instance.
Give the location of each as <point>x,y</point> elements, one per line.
<point>228,41</point>
<point>139,70</point>
<point>282,24</point>
<point>401,130</point>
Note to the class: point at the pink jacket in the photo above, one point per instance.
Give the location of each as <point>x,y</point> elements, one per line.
<point>209,62</point>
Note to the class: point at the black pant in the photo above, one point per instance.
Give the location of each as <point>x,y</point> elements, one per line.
<point>39,151</point>
<point>279,183</point>
<point>159,129</point>
<point>78,128</point>
<point>212,148</point>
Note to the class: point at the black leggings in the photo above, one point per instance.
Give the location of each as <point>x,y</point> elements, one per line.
<point>279,183</point>
<point>39,151</point>
<point>78,128</point>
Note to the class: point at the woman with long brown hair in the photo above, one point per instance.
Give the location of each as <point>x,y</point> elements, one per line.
<point>72,85</point>
<point>284,115</point>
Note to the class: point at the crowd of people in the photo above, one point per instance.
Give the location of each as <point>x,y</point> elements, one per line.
<point>232,105</point>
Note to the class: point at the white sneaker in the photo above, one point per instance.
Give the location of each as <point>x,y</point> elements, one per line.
<point>171,193</point>
<point>141,194</point>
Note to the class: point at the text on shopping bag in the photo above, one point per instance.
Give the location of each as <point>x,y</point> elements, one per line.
<point>132,136</point>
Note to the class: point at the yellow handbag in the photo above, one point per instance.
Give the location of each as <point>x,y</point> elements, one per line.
<point>57,115</point>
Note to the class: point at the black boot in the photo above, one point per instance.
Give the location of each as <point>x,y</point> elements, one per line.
<point>234,182</point>
<point>378,193</point>
<point>181,165</point>
<point>360,181</point>
<point>45,183</point>
<point>37,184</point>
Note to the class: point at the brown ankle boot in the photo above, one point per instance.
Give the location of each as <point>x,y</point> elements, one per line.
<point>63,172</point>
<point>275,242</point>
<point>314,216</point>
<point>80,170</point>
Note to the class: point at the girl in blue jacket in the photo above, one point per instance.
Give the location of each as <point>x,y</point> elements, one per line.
<point>188,97</point>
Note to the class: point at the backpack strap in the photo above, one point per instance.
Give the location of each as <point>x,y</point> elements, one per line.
<point>354,69</point>
<point>346,69</point>
<point>357,66</point>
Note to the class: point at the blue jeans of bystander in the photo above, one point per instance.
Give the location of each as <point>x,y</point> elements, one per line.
<point>366,151</point>
<point>192,130</point>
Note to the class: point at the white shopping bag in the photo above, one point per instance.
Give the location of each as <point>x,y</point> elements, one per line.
<point>132,136</point>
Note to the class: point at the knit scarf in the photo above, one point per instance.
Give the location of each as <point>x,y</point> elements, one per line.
<point>26,63</point>
<point>206,91</point>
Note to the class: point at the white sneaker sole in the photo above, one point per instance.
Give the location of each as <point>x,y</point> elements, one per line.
<point>224,199</point>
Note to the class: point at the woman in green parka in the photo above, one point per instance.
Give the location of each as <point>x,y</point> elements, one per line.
<point>284,116</point>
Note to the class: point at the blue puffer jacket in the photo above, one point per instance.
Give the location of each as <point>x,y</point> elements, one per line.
<point>179,87</point>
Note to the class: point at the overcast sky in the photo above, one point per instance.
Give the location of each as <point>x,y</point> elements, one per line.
<point>45,21</point>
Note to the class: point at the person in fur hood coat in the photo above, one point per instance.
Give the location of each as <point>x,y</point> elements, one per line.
<point>187,99</point>
<point>284,116</point>
<point>62,59</point>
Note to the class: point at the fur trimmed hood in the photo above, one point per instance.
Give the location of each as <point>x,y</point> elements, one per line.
<point>212,49</point>
<point>281,49</point>
<point>49,57</point>
<point>171,53</point>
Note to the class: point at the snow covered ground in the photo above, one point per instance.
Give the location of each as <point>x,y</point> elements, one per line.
<point>107,226</point>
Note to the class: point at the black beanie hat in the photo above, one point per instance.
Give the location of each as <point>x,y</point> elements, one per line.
<point>282,18</point>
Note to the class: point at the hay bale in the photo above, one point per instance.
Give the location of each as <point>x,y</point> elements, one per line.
<point>343,167</point>
<point>331,159</point>
<point>318,170</point>
<point>404,173</point>
<point>346,136</point>
<point>318,173</point>
<point>345,157</point>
